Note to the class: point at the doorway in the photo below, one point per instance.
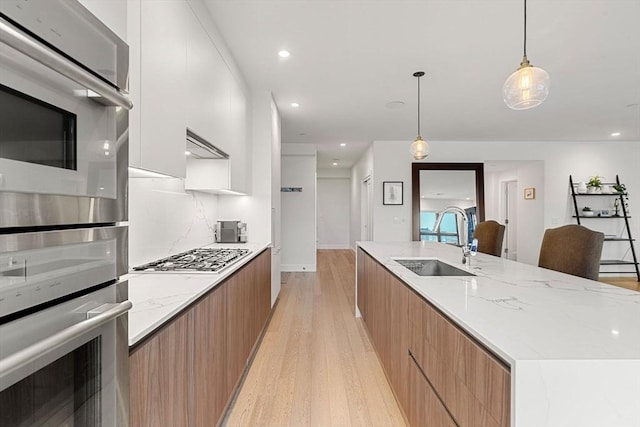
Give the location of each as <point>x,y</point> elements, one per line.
<point>366,213</point>
<point>510,218</point>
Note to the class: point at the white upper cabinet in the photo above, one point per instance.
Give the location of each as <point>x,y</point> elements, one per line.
<point>158,121</point>
<point>208,88</point>
<point>179,80</point>
<point>239,137</point>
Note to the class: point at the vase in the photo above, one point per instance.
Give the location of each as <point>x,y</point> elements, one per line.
<point>593,190</point>
<point>582,188</point>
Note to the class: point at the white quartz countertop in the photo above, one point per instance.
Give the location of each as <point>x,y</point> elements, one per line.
<point>522,311</point>
<point>158,296</point>
<point>573,344</point>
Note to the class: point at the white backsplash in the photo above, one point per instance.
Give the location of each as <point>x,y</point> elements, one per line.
<point>165,220</point>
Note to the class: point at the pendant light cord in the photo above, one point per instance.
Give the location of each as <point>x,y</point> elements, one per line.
<point>525,28</point>
<point>418,106</point>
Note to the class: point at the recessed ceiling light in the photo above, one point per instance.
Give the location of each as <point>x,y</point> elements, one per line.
<point>187,153</point>
<point>284,54</point>
<point>335,163</point>
<point>295,104</point>
<point>343,144</point>
<point>616,134</point>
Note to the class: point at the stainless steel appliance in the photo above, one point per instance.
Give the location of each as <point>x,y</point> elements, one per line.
<point>63,116</point>
<point>63,249</point>
<point>231,232</point>
<point>210,260</point>
<point>63,328</point>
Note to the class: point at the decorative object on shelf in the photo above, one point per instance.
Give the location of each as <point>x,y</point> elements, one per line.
<point>594,185</point>
<point>528,86</point>
<point>530,193</point>
<point>581,187</point>
<point>619,199</point>
<point>620,188</point>
<point>419,147</point>
<point>392,192</point>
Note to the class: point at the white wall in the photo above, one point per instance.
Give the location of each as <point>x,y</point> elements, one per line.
<point>391,162</point>
<point>165,220</point>
<point>298,169</point>
<point>333,212</point>
<point>362,169</point>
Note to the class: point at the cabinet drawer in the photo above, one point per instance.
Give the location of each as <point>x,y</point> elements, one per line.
<point>471,382</point>
<point>424,407</point>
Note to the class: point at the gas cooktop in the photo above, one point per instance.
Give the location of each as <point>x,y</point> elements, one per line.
<point>204,259</point>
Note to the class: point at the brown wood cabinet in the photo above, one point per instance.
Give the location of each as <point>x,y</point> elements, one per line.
<point>159,377</point>
<point>438,372</point>
<point>424,407</point>
<point>384,300</point>
<point>187,372</point>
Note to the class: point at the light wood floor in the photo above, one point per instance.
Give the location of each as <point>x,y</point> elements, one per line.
<point>624,282</point>
<point>316,365</point>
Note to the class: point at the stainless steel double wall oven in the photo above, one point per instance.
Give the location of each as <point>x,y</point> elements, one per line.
<point>63,213</point>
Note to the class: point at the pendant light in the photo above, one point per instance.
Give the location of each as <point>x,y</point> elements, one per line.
<point>528,86</point>
<point>419,147</point>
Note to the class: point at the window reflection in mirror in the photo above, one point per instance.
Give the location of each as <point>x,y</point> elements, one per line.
<point>437,186</point>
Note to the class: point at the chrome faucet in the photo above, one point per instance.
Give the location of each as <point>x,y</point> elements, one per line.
<point>463,235</point>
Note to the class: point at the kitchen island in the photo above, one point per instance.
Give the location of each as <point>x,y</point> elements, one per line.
<point>568,348</point>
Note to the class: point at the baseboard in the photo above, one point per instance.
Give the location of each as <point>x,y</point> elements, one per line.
<point>344,246</point>
<point>305,268</point>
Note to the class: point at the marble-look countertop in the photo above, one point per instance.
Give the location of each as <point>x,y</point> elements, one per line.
<point>159,296</point>
<point>573,344</point>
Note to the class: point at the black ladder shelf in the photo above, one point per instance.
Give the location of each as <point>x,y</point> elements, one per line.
<point>625,216</point>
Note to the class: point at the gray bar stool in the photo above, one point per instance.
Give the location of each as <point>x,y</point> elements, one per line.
<point>572,249</point>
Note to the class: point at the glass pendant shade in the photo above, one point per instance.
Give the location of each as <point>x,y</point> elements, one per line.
<point>419,148</point>
<point>526,88</point>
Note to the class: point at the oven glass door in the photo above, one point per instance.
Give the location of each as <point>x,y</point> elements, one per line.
<point>80,164</point>
<point>66,392</point>
<point>77,379</point>
<point>54,137</point>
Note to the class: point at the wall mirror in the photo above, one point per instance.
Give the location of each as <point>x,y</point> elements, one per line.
<point>436,186</point>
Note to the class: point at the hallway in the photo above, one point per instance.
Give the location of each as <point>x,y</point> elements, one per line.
<point>316,365</point>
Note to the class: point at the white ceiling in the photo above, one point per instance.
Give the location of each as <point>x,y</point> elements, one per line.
<point>349,58</point>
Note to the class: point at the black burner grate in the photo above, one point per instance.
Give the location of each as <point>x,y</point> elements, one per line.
<point>202,259</point>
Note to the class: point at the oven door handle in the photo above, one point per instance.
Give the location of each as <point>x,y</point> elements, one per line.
<point>29,46</point>
<point>25,356</point>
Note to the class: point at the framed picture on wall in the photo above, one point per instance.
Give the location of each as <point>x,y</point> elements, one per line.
<point>392,193</point>
<point>529,193</point>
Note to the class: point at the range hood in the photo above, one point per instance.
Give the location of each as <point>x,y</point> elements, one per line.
<point>208,167</point>
<point>200,148</point>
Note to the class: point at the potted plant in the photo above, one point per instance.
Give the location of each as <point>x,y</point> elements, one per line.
<point>620,188</point>
<point>594,184</point>
<point>586,211</point>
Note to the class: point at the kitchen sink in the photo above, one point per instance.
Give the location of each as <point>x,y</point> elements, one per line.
<point>432,267</point>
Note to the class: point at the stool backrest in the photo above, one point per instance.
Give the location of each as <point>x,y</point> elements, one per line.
<point>572,249</point>
<point>490,235</point>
